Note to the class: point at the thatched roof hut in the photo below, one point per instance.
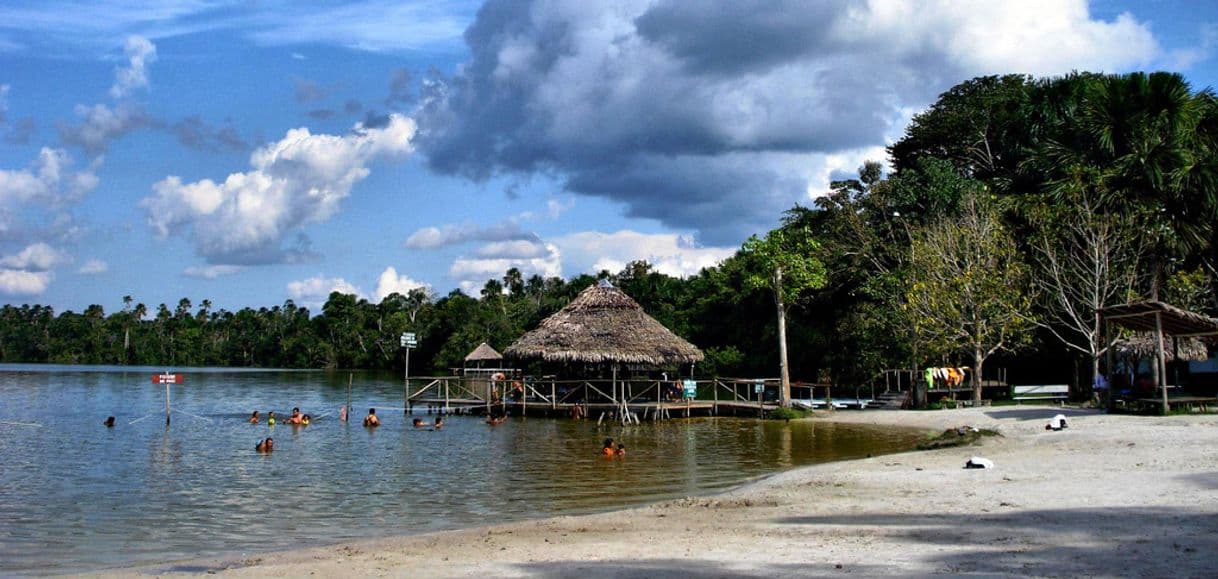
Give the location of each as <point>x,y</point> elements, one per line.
<point>603,324</point>
<point>1143,345</point>
<point>483,353</point>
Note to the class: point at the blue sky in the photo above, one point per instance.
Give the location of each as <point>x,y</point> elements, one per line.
<point>249,153</point>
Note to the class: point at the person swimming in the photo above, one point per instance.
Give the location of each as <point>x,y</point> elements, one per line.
<point>439,422</point>
<point>296,417</point>
<point>607,448</point>
<point>495,419</point>
<point>371,419</point>
<point>305,420</point>
<point>419,423</point>
<point>270,418</point>
<point>621,449</point>
<point>265,446</point>
<point>254,417</point>
<point>109,422</point>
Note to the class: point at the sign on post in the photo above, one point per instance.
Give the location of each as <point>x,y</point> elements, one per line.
<point>168,379</point>
<point>759,387</point>
<point>690,389</point>
<point>409,340</point>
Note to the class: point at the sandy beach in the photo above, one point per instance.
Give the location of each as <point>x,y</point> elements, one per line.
<point>1109,496</point>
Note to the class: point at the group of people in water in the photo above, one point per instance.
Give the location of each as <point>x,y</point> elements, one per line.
<point>607,448</point>
<point>296,419</point>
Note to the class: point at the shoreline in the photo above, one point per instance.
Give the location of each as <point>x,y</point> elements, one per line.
<point>1111,495</point>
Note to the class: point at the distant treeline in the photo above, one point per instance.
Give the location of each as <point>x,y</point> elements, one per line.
<point>1015,208</point>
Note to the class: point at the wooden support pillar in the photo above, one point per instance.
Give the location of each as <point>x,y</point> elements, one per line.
<point>1161,375</point>
<point>1109,361</point>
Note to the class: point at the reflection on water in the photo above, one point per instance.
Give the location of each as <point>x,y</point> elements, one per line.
<point>77,495</point>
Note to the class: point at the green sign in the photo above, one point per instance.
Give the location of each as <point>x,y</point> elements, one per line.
<point>691,388</point>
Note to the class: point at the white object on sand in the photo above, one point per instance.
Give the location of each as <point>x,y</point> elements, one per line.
<point>1058,422</point>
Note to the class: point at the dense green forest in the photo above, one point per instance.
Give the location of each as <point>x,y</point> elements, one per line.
<point>1014,208</point>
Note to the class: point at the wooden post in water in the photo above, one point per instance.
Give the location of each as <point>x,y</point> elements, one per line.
<point>715,396</point>
<point>761,400</point>
<point>446,396</point>
<point>349,378</point>
<point>167,402</point>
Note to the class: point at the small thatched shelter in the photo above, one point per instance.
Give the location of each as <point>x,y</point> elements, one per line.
<point>482,354</point>
<point>1163,320</point>
<point>604,325</point>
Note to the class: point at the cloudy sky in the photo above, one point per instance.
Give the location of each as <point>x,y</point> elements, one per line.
<point>253,152</point>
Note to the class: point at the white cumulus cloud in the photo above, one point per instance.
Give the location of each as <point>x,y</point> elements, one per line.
<point>471,273</point>
<point>24,283</point>
<point>668,253</point>
<point>391,282</point>
<point>34,201</point>
<point>36,257</point>
<point>298,180</point>
<point>139,52</point>
<point>314,291</point>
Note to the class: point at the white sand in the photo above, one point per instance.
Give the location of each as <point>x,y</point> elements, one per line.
<point>1109,496</point>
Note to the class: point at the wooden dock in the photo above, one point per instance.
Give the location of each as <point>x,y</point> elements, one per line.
<point>598,400</point>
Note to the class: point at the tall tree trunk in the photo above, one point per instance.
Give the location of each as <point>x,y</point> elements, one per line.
<point>1095,371</point>
<point>978,363</point>
<point>785,390</point>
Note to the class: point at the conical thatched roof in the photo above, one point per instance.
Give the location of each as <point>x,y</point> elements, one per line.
<point>1143,345</point>
<point>484,353</point>
<point>602,324</point>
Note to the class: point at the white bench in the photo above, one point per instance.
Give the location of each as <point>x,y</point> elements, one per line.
<point>1041,392</point>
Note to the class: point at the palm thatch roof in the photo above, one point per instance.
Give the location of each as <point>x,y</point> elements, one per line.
<point>1141,316</point>
<point>1144,345</point>
<point>484,353</point>
<point>603,324</point>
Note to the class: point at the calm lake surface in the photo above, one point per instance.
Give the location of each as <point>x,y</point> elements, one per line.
<point>75,495</point>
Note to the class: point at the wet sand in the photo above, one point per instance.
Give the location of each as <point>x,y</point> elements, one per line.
<point>1109,496</point>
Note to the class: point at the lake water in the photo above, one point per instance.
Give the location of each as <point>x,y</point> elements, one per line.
<point>75,495</point>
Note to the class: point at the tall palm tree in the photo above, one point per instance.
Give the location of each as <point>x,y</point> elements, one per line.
<point>1155,138</point>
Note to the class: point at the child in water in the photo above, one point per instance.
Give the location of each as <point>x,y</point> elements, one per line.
<point>621,449</point>
<point>270,418</point>
<point>371,419</point>
<point>254,417</point>
<point>439,422</point>
<point>418,423</point>
<point>305,420</point>
<point>265,446</point>
<point>607,449</point>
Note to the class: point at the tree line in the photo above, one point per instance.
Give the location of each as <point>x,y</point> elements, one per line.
<point>1014,209</point>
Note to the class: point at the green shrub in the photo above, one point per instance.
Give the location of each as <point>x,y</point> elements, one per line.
<point>787,414</point>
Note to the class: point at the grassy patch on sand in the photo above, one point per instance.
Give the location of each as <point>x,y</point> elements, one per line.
<point>963,436</point>
<point>788,414</point>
